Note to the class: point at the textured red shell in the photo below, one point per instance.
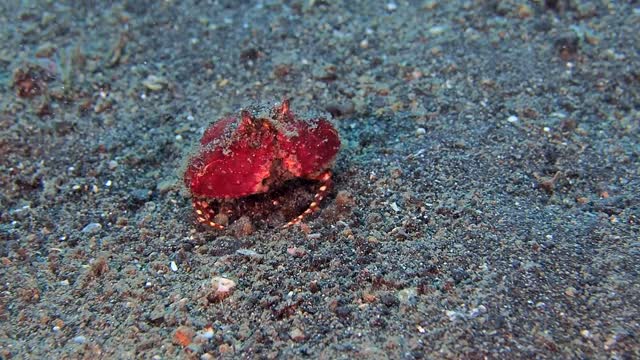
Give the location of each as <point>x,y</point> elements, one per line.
<point>257,150</point>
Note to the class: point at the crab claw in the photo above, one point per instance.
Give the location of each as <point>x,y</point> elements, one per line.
<point>236,170</point>
<point>311,150</point>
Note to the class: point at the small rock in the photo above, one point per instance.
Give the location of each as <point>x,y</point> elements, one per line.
<point>156,316</point>
<point>477,311</point>
<point>459,275</point>
<point>567,45</point>
<point>155,83</point>
<point>222,219</point>
<point>437,30</point>
<point>207,333</point>
<point>343,311</point>
<point>194,348</point>
<point>165,185</point>
<point>341,109</point>
<point>368,298</point>
<point>222,288</point>
<point>140,195</point>
<point>455,315</point>
<point>408,296</point>
<point>45,50</point>
<point>313,236</point>
<point>296,335</point>
<point>79,339</point>
<point>183,336</point>
<point>570,291</point>
<point>296,251</point>
<point>344,199</point>
<point>242,227</point>
<point>524,11</point>
<point>92,228</point>
<point>389,300</point>
<point>248,253</point>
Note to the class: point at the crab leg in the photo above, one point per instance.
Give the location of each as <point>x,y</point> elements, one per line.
<point>205,213</point>
<point>325,184</point>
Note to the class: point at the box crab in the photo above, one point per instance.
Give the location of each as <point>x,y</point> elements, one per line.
<point>257,151</point>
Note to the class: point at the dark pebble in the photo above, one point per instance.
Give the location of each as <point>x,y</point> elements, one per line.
<point>343,311</point>
<point>459,275</point>
<point>140,195</point>
<point>389,300</point>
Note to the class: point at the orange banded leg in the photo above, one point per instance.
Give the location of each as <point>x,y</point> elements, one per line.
<point>205,213</point>
<point>325,184</point>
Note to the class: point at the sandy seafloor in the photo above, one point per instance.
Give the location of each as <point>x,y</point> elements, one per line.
<point>485,200</point>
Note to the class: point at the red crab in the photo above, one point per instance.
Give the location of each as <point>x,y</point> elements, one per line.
<point>257,151</point>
